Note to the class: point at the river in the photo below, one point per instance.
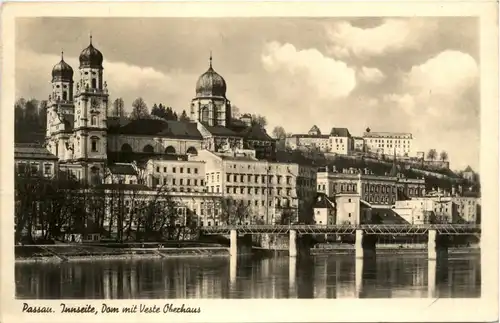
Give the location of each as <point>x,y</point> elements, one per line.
<point>329,276</point>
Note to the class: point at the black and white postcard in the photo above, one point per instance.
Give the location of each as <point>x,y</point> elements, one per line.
<point>249,161</point>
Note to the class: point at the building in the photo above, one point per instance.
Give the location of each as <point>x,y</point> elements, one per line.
<point>376,190</point>
<point>388,143</point>
<point>86,140</point>
<point>267,188</point>
<point>32,160</point>
<point>338,141</point>
<point>178,175</point>
<point>359,144</point>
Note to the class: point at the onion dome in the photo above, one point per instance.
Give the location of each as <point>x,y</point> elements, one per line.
<point>211,84</point>
<point>62,71</point>
<point>91,57</point>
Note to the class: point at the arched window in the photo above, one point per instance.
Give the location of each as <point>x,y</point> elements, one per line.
<point>126,148</point>
<point>204,114</point>
<point>148,149</point>
<point>170,150</point>
<point>94,83</point>
<point>93,121</point>
<point>94,143</point>
<point>192,151</point>
<point>65,96</point>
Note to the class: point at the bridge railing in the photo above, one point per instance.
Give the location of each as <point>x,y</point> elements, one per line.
<point>343,226</point>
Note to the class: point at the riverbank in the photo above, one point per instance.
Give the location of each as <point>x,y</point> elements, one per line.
<point>82,252</point>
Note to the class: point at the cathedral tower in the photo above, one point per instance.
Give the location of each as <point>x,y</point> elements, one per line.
<point>60,108</point>
<point>91,105</point>
<point>210,105</point>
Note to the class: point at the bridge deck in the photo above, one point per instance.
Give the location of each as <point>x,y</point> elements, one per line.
<point>377,229</point>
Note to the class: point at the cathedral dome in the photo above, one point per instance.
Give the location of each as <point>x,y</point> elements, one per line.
<point>62,71</point>
<point>211,83</point>
<point>91,57</point>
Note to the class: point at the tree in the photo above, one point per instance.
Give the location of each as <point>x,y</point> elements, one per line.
<point>443,156</point>
<point>139,110</point>
<point>118,108</point>
<point>260,120</point>
<point>184,116</point>
<point>432,154</point>
<point>279,132</point>
<point>235,111</point>
<point>234,212</point>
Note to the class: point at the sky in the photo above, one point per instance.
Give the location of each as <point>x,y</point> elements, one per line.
<point>418,75</point>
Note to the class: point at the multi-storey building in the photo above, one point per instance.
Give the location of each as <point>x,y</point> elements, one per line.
<point>338,141</point>
<point>374,189</point>
<point>177,175</point>
<point>267,187</point>
<point>388,143</point>
<point>34,161</point>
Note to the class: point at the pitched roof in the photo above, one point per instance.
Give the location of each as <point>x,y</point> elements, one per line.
<point>256,132</point>
<point>315,129</point>
<point>157,127</point>
<point>468,169</point>
<point>323,202</point>
<point>221,131</point>
<point>387,216</point>
<point>31,151</point>
<point>122,169</point>
<point>340,132</point>
<point>237,157</point>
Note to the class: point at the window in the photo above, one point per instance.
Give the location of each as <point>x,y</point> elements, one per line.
<point>188,182</point>
<point>94,83</point>
<point>228,178</point>
<point>195,182</point>
<point>94,144</point>
<point>181,181</point>
<point>47,169</point>
<point>196,170</point>
<point>157,169</point>
<point>174,169</point>
<point>349,200</point>
<point>34,169</point>
<point>182,170</point>
<point>164,181</point>
<point>93,121</point>
<point>173,181</point>
<point>189,170</point>
<point>65,95</point>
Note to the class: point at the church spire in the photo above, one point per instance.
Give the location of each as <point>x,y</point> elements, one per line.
<point>90,38</point>
<point>210,59</point>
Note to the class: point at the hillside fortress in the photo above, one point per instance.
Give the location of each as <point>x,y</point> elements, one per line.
<point>86,139</point>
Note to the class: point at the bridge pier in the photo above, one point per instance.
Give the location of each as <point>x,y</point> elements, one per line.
<point>239,245</point>
<point>437,245</point>
<point>365,245</point>
<point>293,244</point>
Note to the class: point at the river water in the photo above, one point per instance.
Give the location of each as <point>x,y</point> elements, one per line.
<point>329,276</point>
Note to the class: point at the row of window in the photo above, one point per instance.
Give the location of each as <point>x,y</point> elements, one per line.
<point>236,178</point>
<point>255,190</point>
<point>33,169</point>
<point>174,170</point>
<point>182,181</point>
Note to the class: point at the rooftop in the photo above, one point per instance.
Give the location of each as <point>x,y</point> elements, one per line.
<point>32,151</point>
<point>122,169</point>
<point>157,127</point>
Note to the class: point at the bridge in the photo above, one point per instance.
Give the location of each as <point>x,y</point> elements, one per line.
<point>371,229</point>
<point>365,234</point>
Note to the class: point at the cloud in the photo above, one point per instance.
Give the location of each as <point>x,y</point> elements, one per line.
<point>438,96</point>
<point>124,80</point>
<point>330,78</point>
<point>448,73</point>
<point>371,75</point>
<point>391,36</point>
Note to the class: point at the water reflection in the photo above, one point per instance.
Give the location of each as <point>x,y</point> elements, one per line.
<point>334,276</point>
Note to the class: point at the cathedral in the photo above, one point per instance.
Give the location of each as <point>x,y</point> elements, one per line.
<point>87,140</point>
